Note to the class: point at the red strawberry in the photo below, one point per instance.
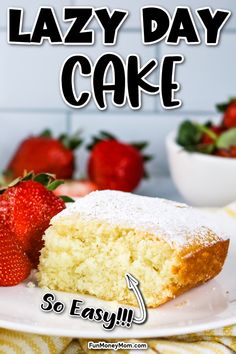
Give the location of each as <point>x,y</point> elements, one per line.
<point>229,110</point>
<point>45,154</point>
<point>76,188</point>
<point>14,263</point>
<point>230,115</point>
<point>222,153</point>
<point>116,165</point>
<point>231,152</point>
<point>206,139</point>
<point>4,210</point>
<point>30,209</point>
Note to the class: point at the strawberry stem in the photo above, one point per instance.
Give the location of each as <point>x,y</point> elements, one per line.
<point>46,133</point>
<point>46,179</point>
<point>101,137</point>
<point>221,107</point>
<point>54,184</point>
<point>204,129</point>
<point>71,142</point>
<point>66,199</point>
<point>140,145</point>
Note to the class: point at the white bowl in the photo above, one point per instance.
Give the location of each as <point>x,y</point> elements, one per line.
<point>203,180</point>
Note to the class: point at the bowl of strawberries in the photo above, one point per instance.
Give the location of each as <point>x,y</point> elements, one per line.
<point>202,159</point>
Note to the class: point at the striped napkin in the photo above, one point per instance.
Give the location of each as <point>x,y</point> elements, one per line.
<point>219,341</point>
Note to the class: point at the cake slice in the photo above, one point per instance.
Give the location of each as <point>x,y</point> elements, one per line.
<point>92,244</point>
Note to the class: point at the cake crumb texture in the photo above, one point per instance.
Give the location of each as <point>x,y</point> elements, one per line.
<point>92,245</point>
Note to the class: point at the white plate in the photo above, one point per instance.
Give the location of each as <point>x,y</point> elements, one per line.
<point>209,306</point>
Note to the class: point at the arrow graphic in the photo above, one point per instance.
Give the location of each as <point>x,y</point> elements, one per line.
<point>133,284</point>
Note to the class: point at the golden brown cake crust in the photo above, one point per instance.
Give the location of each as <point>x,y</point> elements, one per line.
<point>197,267</point>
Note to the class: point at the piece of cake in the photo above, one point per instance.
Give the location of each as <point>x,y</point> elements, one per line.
<point>92,244</point>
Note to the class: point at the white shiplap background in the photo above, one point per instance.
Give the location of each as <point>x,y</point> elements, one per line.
<point>30,99</point>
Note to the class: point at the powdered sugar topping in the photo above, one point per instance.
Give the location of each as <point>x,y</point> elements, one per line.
<point>176,223</point>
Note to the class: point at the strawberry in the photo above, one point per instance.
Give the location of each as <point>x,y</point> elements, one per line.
<point>231,152</point>
<point>229,120</point>
<point>4,210</point>
<point>116,165</point>
<point>76,188</point>
<point>229,110</point>
<point>30,208</point>
<point>222,153</point>
<point>44,153</point>
<point>206,139</point>
<point>14,263</point>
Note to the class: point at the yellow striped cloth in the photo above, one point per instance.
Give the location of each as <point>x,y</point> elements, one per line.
<point>219,341</point>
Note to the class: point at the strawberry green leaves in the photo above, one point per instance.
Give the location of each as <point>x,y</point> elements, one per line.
<point>46,179</point>
<point>46,133</point>
<point>227,139</point>
<point>190,136</point>
<point>100,137</point>
<point>71,142</point>
<point>67,199</point>
<point>221,107</point>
